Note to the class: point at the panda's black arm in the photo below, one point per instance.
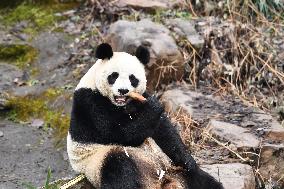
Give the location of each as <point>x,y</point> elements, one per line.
<point>168,139</point>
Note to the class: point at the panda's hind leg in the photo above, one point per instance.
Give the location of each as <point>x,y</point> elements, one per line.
<point>120,172</point>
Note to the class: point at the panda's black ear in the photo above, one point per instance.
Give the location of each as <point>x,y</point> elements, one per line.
<point>104,51</point>
<point>143,54</point>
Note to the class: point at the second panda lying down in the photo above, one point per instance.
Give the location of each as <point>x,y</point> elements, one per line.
<point>121,143</point>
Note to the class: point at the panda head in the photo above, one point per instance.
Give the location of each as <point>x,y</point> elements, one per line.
<point>116,74</point>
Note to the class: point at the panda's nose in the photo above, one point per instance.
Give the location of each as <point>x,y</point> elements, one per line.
<point>123,91</point>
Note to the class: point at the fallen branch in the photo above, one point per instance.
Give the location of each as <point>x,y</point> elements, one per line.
<point>73,181</point>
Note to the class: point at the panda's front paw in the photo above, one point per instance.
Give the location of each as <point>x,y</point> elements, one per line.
<point>202,180</point>
<point>154,104</point>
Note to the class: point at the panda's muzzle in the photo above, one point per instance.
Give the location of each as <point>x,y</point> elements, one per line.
<point>120,99</point>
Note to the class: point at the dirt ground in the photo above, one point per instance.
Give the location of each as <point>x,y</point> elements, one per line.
<point>26,155</point>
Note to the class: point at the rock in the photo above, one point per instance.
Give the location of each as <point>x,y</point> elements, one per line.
<point>272,161</point>
<point>233,175</point>
<point>186,28</point>
<point>63,102</point>
<point>1,134</point>
<point>166,62</point>
<point>238,136</point>
<point>272,128</point>
<point>19,26</point>
<point>22,36</point>
<point>150,5</point>
<point>38,123</point>
<point>8,73</point>
<point>204,107</point>
<point>176,98</point>
<point>69,13</point>
<point>52,59</point>
<point>248,124</point>
<point>24,91</point>
<point>52,51</point>
<point>4,105</point>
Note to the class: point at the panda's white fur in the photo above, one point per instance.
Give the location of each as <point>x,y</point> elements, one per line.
<point>122,63</point>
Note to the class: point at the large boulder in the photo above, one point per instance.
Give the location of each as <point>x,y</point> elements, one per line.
<point>240,137</point>
<point>186,28</point>
<point>233,112</point>
<point>166,62</point>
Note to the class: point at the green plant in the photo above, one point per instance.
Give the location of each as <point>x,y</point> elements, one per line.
<point>160,15</point>
<point>268,7</point>
<point>40,14</point>
<point>254,8</point>
<point>20,55</point>
<point>22,109</point>
<point>39,17</point>
<point>15,3</point>
<point>47,184</point>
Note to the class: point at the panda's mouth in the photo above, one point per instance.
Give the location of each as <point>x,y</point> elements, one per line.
<point>120,99</point>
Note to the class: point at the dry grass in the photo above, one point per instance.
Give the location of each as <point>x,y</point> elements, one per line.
<point>163,69</point>
<point>197,137</point>
<point>242,60</point>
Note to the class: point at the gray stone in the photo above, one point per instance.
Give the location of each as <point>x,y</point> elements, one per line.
<point>24,91</point>
<point>4,101</point>
<point>186,28</point>
<point>52,50</point>
<point>240,137</point>
<point>272,129</point>
<point>233,175</point>
<point>1,134</point>
<point>8,73</point>
<point>38,123</point>
<point>176,98</point>
<point>166,62</point>
<point>150,4</point>
<point>69,13</point>
<point>19,27</point>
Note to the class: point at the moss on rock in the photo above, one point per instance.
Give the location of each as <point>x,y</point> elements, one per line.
<point>40,15</point>
<point>18,54</point>
<point>23,109</point>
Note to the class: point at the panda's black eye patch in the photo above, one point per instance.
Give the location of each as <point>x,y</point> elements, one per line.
<point>133,80</point>
<point>112,78</point>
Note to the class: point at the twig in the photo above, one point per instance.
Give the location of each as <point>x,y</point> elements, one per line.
<point>221,144</point>
<point>73,181</point>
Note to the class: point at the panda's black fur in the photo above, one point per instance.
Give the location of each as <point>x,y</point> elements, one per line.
<point>96,120</point>
<point>105,51</point>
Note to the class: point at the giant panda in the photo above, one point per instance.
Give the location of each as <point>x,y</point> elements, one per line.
<point>121,143</point>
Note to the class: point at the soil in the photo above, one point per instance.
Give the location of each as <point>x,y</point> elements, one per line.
<point>26,155</point>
